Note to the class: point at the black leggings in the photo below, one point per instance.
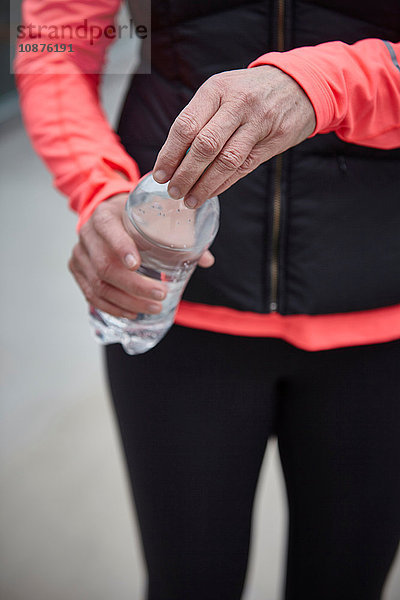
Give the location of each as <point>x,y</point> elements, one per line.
<point>195,414</point>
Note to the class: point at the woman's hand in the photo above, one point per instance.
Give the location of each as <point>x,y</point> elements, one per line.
<point>104,262</point>
<point>235,121</point>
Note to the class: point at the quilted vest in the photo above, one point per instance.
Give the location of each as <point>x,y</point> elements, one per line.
<point>315,230</point>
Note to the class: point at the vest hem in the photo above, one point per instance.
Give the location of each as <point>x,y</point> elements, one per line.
<point>307,332</point>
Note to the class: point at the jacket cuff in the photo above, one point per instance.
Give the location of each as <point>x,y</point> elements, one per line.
<point>298,65</point>
<point>111,188</point>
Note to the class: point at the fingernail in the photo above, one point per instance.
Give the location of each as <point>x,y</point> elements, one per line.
<point>158,295</point>
<point>160,176</point>
<point>154,308</point>
<point>130,261</point>
<point>191,202</point>
<point>174,193</point>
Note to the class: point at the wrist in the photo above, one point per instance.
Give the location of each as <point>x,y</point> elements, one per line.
<point>114,189</point>
<point>297,65</point>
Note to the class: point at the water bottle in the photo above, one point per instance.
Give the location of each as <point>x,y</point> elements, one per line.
<point>170,239</point>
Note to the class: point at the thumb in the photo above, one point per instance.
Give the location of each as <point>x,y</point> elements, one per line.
<point>206,259</point>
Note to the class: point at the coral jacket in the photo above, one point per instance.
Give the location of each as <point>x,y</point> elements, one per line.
<point>355,92</point>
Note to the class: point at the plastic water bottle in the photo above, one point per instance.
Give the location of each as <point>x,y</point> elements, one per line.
<point>170,239</point>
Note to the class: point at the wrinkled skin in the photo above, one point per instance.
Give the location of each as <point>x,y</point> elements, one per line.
<point>235,121</point>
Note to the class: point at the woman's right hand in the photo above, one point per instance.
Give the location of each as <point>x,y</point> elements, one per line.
<point>105,259</point>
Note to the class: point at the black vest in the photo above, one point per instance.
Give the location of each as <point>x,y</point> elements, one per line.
<point>335,245</point>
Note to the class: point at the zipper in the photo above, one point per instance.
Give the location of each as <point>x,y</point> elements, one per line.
<point>275,234</point>
<point>276,218</point>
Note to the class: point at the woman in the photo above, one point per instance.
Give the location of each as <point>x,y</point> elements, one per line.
<point>294,330</point>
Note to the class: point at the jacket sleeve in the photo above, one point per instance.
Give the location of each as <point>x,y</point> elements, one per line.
<point>59,98</point>
<point>354,89</point>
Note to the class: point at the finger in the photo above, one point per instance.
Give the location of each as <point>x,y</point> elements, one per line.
<point>263,151</point>
<point>108,293</point>
<point>109,269</point>
<point>99,290</point>
<point>247,167</point>
<point>236,153</point>
<point>205,147</point>
<point>184,129</point>
<point>207,259</point>
<point>111,229</point>
<point>111,309</point>
<point>103,305</point>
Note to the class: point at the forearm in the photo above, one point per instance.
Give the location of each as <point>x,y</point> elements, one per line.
<point>61,109</point>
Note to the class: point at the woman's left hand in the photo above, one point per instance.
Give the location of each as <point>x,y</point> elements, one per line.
<point>235,121</point>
